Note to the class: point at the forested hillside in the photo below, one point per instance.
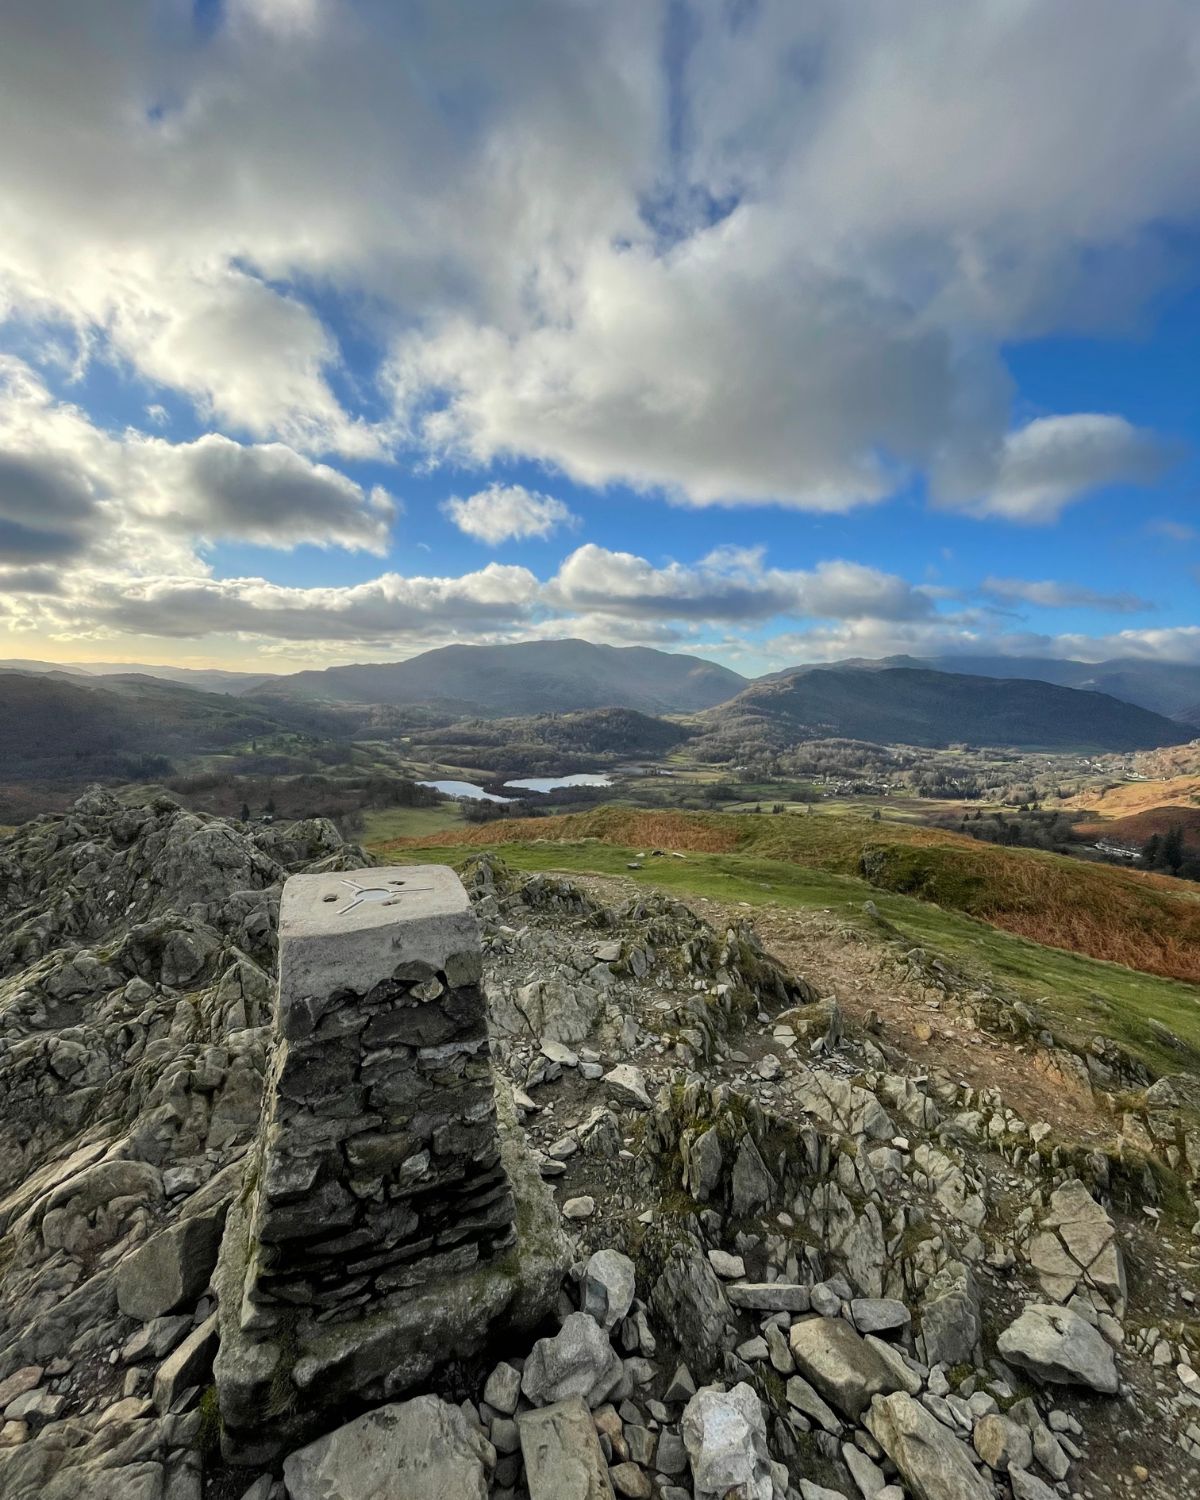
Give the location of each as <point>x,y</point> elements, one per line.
<point>907,706</point>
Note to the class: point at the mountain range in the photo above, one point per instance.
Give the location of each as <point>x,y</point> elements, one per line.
<point>206,679</point>
<point>64,728</point>
<point>87,717</point>
<point>568,675</point>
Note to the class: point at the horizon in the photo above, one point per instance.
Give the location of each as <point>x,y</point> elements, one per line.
<point>331,334</point>
<point>957,664</point>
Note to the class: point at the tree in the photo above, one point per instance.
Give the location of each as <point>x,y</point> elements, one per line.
<point>245,812</point>
<point>1152,852</point>
<point>270,807</point>
<point>1172,848</point>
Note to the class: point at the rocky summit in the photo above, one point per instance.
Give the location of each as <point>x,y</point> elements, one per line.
<point>522,1188</point>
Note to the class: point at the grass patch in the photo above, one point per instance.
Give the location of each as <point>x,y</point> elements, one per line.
<point>1142,921</point>
<point>381,824</point>
<point>1080,996</point>
<point>208,1438</point>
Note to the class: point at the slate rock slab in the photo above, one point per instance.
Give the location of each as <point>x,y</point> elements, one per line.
<point>562,1453</point>
<point>412,1450</point>
<point>933,1463</point>
<point>1057,1347</point>
<point>846,1371</point>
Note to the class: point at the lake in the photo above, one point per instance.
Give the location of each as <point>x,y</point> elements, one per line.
<point>466,789</point>
<point>552,783</point>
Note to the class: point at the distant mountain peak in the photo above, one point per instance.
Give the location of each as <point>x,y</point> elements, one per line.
<point>527,677</point>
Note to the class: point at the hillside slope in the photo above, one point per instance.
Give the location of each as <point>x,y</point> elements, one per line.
<point>1176,760</point>
<point>70,728</point>
<point>890,1131</point>
<point>549,744</point>
<point>1130,797</point>
<point>528,678</point>
<point>903,705</point>
<point>1146,922</point>
<point>1136,828</point>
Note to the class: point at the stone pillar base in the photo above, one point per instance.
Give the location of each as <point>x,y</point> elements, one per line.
<point>278,1392</point>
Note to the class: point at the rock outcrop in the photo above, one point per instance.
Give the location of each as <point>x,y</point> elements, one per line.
<point>712,1175</point>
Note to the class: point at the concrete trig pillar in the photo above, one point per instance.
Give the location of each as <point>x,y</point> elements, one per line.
<point>376,1232</point>
<point>382,1167</point>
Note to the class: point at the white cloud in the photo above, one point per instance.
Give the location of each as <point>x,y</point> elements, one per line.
<point>717,373</point>
<point>380,610</point>
<point>726,280</point>
<point>265,493</point>
<point>1047,593</point>
<point>601,594</point>
<point>1045,465</point>
<point>829,612</point>
<point>1004,164</point>
<point>1170,643</point>
<point>182,203</point>
<point>507,512</point>
<point>729,585</point>
<point>33,580</point>
<point>281,15</point>
<point>738,279</point>
<point>965,637</point>
<point>47,507</point>
<point>836,329</point>
<point>68,488</point>
<point>250,356</point>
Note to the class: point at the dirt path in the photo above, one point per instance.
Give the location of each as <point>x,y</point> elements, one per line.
<point>859,973</point>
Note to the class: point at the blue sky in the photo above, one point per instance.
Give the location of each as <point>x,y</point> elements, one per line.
<point>336,331</point>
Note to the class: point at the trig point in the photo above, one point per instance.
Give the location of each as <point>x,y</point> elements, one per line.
<point>376,1234</point>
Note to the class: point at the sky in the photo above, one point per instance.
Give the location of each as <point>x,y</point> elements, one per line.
<point>336,330</point>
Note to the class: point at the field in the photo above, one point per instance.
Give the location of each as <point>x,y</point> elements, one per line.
<point>1138,796</point>
<point>384,823</point>
<point>1146,922</point>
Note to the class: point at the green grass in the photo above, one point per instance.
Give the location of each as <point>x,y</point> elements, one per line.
<point>1081,996</point>
<point>918,810</point>
<point>1145,922</point>
<point>383,823</point>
